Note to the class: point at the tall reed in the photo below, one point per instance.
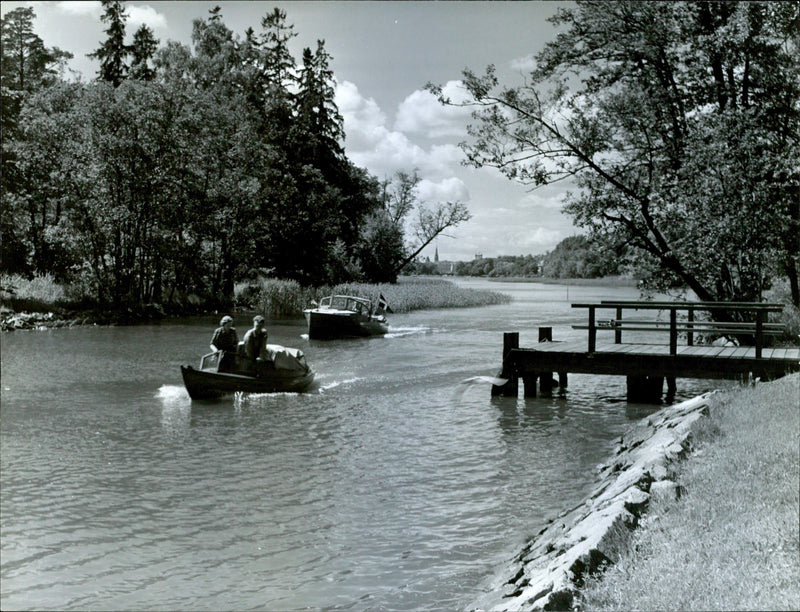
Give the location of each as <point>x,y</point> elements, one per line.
<point>286,298</point>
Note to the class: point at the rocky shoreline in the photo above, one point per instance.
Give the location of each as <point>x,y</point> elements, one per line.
<point>550,570</point>
<point>21,321</point>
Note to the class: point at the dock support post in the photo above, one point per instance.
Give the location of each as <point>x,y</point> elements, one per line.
<point>511,388</point>
<point>546,384</point>
<point>529,384</point>
<point>562,381</point>
<point>645,389</point>
<point>546,378</point>
<point>672,387</point>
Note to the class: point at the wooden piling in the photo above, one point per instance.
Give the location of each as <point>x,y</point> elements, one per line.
<point>511,388</point>
<point>645,389</point>
<point>529,384</point>
<point>546,378</point>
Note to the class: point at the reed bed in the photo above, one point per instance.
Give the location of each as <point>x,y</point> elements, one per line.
<point>732,541</point>
<point>38,294</point>
<point>286,298</point>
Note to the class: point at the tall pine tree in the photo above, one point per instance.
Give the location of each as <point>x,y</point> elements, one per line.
<point>113,53</point>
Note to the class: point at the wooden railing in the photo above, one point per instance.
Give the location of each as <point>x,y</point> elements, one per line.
<point>759,327</point>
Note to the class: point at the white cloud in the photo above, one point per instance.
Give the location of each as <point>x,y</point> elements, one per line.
<point>146,15</point>
<point>446,190</point>
<point>371,144</point>
<point>137,14</point>
<point>422,113</point>
<point>523,64</point>
<point>94,9</point>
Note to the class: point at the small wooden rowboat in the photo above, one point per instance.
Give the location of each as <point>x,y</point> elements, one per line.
<point>343,316</point>
<point>285,371</point>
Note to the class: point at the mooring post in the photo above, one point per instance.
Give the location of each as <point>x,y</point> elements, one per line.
<point>645,389</point>
<point>672,387</point>
<point>529,384</point>
<point>511,388</point>
<point>546,378</point>
<point>759,333</point>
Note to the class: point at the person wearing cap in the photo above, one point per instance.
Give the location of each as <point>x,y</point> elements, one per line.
<point>225,337</point>
<point>255,344</point>
<point>226,340</point>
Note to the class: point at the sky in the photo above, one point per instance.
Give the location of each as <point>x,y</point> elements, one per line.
<point>383,54</point>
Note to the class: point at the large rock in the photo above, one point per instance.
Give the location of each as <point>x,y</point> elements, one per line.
<point>551,568</point>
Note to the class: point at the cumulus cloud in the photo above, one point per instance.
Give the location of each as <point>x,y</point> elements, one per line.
<point>446,190</point>
<point>146,15</point>
<point>80,8</point>
<point>370,143</point>
<point>422,113</point>
<point>523,64</point>
<point>137,14</point>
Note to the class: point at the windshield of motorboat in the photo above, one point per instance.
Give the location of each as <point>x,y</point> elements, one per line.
<point>348,302</point>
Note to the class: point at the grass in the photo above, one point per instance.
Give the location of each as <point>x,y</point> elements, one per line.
<point>282,298</point>
<point>39,294</point>
<point>732,542</point>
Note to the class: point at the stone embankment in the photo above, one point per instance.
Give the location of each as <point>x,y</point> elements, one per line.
<point>550,570</point>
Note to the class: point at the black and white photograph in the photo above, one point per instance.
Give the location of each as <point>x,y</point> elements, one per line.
<point>400,306</point>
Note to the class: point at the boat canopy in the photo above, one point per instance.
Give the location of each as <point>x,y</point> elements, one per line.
<point>346,302</point>
<point>286,358</point>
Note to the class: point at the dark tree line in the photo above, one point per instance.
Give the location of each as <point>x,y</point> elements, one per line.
<point>183,169</point>
<point>573,257</point>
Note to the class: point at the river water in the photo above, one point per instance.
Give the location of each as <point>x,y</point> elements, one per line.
<point>396,483</point>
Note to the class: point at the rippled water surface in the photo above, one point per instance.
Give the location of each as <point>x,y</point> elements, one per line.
<point>395,484</point>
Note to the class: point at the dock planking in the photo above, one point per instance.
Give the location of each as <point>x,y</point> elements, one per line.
<point>647,365</point>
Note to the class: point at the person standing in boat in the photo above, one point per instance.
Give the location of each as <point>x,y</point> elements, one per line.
<point>255,344</point>
<point>225,339</point>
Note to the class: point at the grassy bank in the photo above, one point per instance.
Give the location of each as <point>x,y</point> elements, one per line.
<point>732,541</point>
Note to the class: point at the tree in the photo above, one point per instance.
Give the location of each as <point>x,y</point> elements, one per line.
<point>382,251</point>
<point>26,63</point>
<point>143,50</point>
<point>679,124</point>
<point>26,67</point>
<point>113,52</point>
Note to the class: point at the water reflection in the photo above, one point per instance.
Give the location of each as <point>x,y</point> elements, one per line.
<point>176,411</point>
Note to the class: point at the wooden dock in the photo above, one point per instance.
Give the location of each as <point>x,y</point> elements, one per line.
<point>648,365</point>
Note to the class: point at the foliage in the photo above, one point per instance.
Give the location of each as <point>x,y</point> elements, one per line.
<point>183,168</point>
<point>43,289</point>
<point>573,257</point>
<point>505,265</point>
<point>113,53</point>
<point>677,121</point>
<point>580,257</point>
<point>382,250</point>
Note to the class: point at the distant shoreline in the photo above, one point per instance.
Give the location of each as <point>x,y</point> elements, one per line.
<point>605,281</point>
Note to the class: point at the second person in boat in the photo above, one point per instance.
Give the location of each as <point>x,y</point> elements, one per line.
<point>255,346</point>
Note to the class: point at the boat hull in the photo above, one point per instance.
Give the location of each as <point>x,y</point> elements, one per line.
<point>326,325</point>
<point>204,384</point>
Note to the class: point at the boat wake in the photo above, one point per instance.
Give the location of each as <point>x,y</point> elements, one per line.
<point>172,393</point>
<point>399,332</point>
<point>336,383</point>
<point>459,392</point>
<point>493,380</point>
